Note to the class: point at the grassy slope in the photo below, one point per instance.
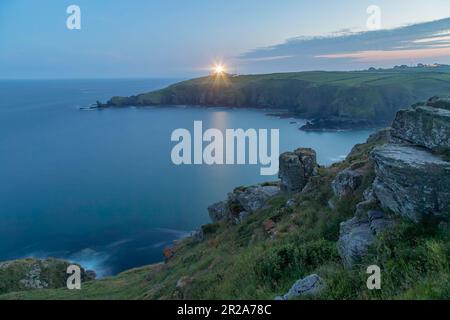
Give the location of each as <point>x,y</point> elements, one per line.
<point>248,261</point>
<point>374,95</point>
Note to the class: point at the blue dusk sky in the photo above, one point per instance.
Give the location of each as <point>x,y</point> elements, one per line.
<point>180,38</point>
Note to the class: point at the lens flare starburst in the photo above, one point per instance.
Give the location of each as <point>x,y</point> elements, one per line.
<point>219,69</point>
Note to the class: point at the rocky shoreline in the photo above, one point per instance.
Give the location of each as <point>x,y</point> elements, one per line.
<point>401,174</point>
<point>340,124</point>
<point>412,181</point>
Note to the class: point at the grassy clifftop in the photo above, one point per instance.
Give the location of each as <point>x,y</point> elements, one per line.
<point>373,95</point>
<point>264,255</point>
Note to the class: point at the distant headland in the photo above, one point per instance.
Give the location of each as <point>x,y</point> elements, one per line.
<point>330,100</point>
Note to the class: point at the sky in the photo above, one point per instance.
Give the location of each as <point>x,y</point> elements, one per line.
<point>180,38</point>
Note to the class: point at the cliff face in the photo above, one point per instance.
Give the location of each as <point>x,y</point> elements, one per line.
<point>424,126</point>
<point>412,179</point>
<point>413,174</point>
<point>335,100</point>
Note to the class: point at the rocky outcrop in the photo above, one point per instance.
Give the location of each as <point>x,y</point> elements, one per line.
<point>253,198</point>
<point>412,172</point>
<point>439,102</point>
<point>412,178</point>
<point>423,126</point>
<point>378,221</point>
<point>28,274</point>
<point>354,240</point>
<point>296,168</point>
<point>308,286</point>
<point>358,234</point>
<point>218,211</point>
<point>346,182</point>
<point>412,181</point>
<point>242,202</point>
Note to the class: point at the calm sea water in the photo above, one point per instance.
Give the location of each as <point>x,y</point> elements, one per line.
<point>99,187</point>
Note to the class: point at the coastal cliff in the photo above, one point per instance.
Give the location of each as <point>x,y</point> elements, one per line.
<point>331,100</point>
<point>313,233</point>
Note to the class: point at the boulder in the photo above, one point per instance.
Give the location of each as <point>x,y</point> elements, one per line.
<point>253,198</point>
<point>412,181</point>
<point>423,126</point>
<point>218,211</point>
<point>242,202</point>
<point>296,168</point>
<point>359,233</point>
<point>354,240</point>
<point>310,285</point>
<point>346,182</point>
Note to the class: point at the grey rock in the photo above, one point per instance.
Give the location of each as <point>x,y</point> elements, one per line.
<point>310,285</point>
<point>423,126</point>
<point>198,235</point>
<point>368,195</point>
<point>90,275</point>
<point>346,182</point>
<point>218,211</point>
<point>241,217</point>
<point>375,215</point>
<point>378,221</point>
<point>359,233</point>
<point>354,240</point>
<point>296,168</point>
<point>370,202</point>
<point>242,202</point>
<point>253,198</point>
<point>412,181</point>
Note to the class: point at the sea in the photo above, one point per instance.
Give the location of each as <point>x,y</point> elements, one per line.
<point>99,187</point>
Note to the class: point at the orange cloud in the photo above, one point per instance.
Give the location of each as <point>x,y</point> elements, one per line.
<point>386,55</point>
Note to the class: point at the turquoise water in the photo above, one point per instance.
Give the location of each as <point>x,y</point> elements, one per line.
<point>99,187</point>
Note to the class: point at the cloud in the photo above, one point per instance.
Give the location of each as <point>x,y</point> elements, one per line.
<point>391,55</point>
<point>424,42</point>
